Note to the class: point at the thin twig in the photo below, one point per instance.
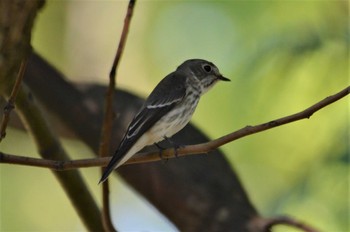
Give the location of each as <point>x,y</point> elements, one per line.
<point>11,102</point>
<point>271,222</point>
<point>108,117</point>
<point>56,165</point>
<point>183,151</point>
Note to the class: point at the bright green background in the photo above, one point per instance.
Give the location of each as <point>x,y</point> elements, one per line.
<point>282,56</point>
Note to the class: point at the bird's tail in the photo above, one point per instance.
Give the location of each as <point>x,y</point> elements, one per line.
<point>124,152</point>
<point>113,164</point>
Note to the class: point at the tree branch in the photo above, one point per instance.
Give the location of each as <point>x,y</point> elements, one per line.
<point>107,125</point>
<point>266,224</point>
<point>11,102</point>
<point>183,151</point>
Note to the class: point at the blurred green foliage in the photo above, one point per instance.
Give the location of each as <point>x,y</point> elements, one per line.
<point>282,57</point>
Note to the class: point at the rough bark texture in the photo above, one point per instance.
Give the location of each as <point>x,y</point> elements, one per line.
<point>16,22</point>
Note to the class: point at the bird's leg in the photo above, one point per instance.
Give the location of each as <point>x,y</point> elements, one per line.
<point>175,145</point>
<point>161,149</point>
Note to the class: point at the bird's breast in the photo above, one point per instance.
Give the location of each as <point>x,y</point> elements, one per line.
<point>175,120</point>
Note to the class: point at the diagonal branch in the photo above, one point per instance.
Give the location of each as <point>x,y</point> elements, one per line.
<point>183,151</point>
<point>11,102</point>
<point>50,148</point>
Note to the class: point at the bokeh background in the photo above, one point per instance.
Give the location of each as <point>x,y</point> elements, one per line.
<point>282,56</point>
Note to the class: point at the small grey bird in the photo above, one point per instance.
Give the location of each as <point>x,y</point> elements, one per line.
<point>167,109</point>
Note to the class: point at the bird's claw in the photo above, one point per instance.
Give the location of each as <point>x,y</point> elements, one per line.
<point>161,149</point>
<point>175,146</point>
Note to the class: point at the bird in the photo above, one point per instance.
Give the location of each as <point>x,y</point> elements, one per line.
<point>167,110</point>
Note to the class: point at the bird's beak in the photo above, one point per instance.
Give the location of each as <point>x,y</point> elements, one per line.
<point>222,78</point>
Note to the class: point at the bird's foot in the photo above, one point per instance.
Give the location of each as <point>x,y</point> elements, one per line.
<point>161,149</point>
<point>175,145</point>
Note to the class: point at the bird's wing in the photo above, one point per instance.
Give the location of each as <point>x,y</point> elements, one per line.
<point>166,95</point>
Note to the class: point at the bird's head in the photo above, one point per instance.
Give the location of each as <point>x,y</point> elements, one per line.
<point>202,73</point>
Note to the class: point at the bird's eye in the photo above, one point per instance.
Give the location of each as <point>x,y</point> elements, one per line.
<point>207,68</point>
